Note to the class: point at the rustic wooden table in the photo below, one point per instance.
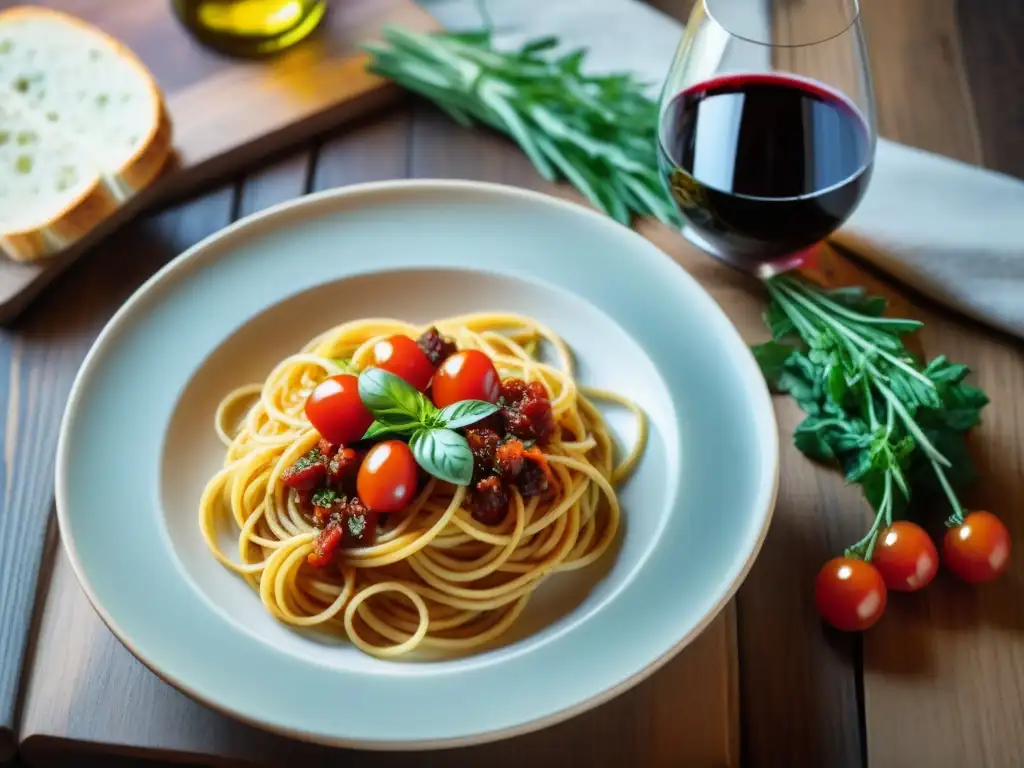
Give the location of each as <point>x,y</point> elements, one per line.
<point>940,682</point>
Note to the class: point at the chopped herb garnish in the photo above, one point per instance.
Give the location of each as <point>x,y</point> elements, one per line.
<point>309,459</point>
<point>324,498</point>
<point>356,525</point>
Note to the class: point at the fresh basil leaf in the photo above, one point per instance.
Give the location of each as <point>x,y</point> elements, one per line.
<point>388,397</point>
<point>394,429</point>
<point>345,363</point>
<point>444,454</point>
<point>427,411</point>
<point>464,412</point>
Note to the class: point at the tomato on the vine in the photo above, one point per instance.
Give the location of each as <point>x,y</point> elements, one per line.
<point>402,356</point>
<point>905,556</point>
<point>850,594</point>
<point>336,411</point>
<point>978,549</point>
<point>466,375</point>
<point>387,477</point>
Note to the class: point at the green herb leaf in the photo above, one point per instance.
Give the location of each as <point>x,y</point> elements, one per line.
<point>391,399</point>
<point>463,413</point>
<point>815,437</point>
<point>772,357</point>
<point>444,454</point>
<point>324,498</point>
<point>380,429</point>
<point>356,525</point>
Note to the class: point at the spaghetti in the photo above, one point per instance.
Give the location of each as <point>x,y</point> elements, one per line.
<point>435,577</point>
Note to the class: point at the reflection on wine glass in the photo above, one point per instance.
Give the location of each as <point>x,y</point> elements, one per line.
<point>767,127</point>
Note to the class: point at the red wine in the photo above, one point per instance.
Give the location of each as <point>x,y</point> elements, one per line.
<point>764,165</point>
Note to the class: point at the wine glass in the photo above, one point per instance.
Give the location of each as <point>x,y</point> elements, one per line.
<point>766,127</point>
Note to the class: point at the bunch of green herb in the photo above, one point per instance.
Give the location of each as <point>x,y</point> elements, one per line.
<point>895,426</point>
<point>596,132</point>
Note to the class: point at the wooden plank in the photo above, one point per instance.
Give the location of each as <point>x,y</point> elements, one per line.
<point>991,48</point>
<point>227,113</point>
<point>40,357</point>
<point>54,336</point>
<point>950,659</point>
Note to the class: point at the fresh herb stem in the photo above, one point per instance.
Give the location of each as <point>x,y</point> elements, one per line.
<point>870,404</point>
<point>800,293</point>
<point>865,548</point>
<point>958,510</point>
<point>912,426</point>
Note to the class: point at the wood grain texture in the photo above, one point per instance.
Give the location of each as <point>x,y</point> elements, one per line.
<point>991,35</point>
<point>44,352</point>
<point>227,113</point>
<point>943,672</point>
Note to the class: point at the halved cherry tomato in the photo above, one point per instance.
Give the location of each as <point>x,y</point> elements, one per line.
<point>850,594</point>
<point>978,549</point>
<point>905,556</point>
<point>466,375</point>
<point>401,356</point>
<point>387,477</point>
<point>335,410</point>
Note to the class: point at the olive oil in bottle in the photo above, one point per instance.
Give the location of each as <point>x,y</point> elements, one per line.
<point>250,27</point>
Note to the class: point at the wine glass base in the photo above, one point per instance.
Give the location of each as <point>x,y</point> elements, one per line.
<point>758,268</point>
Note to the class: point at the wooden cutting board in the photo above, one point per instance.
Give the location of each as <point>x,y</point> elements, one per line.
<point>227,113</point>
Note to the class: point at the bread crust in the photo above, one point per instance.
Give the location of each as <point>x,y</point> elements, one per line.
<point>101,199</point>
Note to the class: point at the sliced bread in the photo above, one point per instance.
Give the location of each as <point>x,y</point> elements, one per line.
<point>85,124</point>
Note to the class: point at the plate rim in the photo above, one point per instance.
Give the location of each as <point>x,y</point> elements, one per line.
<point>222,238</point>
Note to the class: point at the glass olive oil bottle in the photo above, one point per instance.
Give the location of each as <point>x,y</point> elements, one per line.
<point>250,27</point>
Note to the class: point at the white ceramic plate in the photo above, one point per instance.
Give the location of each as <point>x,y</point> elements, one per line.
<point>137,445</point>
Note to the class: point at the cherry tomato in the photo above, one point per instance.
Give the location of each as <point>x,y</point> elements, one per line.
<point>401,356</point>
<point>466,375</point>
<point>335,410</point>
<point>387,477</point>
<point>978,549</point>
<point>850,594</point>
<point>905,556</point>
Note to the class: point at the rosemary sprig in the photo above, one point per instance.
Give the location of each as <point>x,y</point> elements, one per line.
<point>596,132</point>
